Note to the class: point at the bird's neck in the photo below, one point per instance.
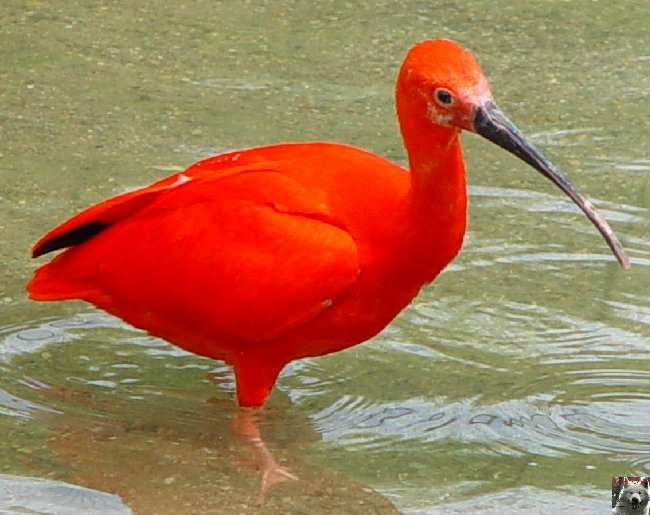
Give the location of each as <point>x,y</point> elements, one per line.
<point>438,196</point>
<point>436,164</point>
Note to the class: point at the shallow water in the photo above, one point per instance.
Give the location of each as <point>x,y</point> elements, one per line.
<point>518,380</point>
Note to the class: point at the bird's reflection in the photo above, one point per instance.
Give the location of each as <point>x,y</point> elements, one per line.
<point>175,456</point>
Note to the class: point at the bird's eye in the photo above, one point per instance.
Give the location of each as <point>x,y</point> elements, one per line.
<point>443,97</point>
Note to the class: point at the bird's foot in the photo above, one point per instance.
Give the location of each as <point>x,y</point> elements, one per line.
<point>246,425</point>
<point>272,473</point>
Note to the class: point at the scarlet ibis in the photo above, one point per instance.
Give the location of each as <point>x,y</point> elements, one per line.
<point>261,256</point>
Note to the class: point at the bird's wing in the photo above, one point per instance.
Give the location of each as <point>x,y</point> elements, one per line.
<point>242,255</point>
<point>95,219</point>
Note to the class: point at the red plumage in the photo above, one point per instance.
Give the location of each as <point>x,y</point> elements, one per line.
<point>262,256</point>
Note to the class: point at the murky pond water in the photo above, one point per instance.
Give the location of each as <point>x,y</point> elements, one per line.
<point>518,381</point>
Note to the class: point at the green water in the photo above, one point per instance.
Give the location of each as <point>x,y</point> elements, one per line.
<point>521,374</point>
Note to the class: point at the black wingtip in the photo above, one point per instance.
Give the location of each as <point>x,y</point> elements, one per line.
<point>74,236</point>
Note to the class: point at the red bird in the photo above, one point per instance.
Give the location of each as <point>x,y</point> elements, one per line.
<point>262,256</point>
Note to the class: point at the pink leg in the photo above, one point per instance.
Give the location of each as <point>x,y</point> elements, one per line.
<point>246,425</point>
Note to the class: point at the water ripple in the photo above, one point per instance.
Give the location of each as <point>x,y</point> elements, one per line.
<point>525,500</point>
<point>523,426</point>
<point>29,339</point>
<point>33,495</point>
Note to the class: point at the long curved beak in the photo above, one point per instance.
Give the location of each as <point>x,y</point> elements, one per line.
<point>492,124</point>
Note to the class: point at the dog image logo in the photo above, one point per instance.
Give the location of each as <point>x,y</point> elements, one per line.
<point>630,495</point>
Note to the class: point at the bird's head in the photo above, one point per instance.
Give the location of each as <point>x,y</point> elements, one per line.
<point>444,82</point>
<point>440,84</point>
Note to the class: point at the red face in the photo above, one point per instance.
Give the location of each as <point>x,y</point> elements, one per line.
<point>447,80</point>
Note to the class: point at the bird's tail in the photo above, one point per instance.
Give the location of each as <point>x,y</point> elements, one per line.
<point>49,285</point>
